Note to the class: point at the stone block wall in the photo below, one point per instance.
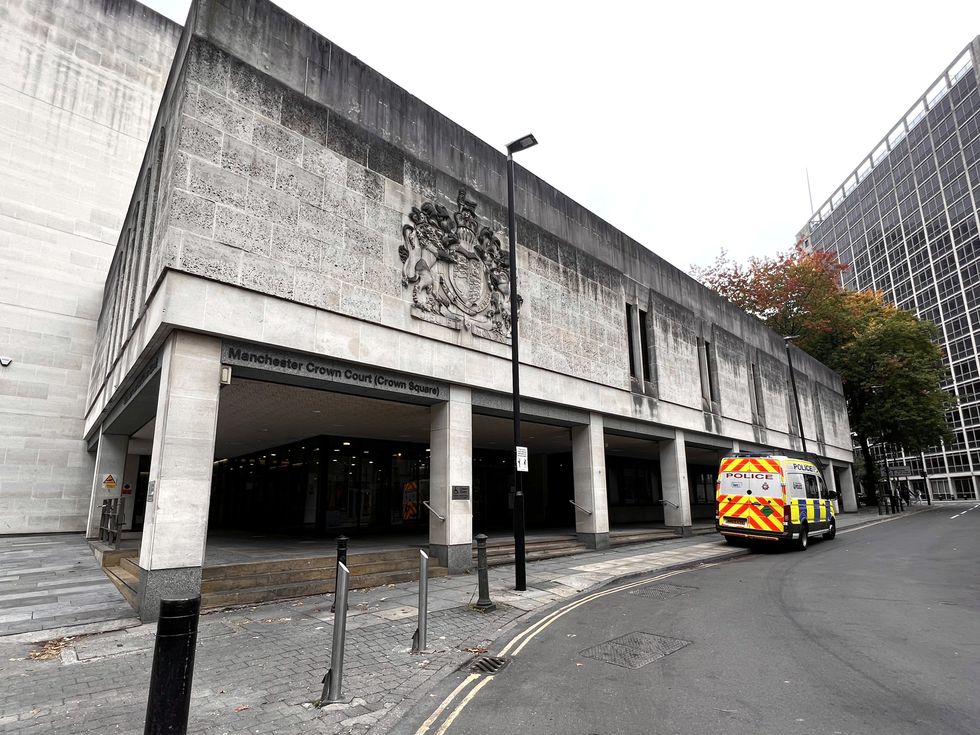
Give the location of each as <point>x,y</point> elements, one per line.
<point>291,169</point>
<point>80,81</point>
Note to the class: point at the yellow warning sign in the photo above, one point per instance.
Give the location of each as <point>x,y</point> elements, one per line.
<point>109,482</point>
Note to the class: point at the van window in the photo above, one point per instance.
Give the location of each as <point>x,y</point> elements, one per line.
<point>794,485</point>
<point>759,484</point>
<point>811,486</point>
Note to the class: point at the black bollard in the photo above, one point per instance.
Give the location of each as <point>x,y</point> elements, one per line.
<point>341,559</point>
<point>484,602</point>
<point>169,699</point>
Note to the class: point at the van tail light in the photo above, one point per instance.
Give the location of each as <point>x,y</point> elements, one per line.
<point>786,514</point>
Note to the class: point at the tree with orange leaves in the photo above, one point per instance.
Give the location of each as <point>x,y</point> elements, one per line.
<point>887,358</point>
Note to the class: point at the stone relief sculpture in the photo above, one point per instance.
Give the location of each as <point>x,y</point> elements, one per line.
<point>458,272</point>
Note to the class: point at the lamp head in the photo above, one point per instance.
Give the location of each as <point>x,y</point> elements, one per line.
<point>521,144</point>
<point>5,361</point>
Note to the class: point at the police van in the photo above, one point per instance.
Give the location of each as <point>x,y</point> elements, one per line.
<point>768,497</point>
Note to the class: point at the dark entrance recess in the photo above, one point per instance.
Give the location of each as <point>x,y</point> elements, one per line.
<point>323,485</point>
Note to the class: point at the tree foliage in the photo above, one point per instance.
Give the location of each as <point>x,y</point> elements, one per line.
<point>887,358</point>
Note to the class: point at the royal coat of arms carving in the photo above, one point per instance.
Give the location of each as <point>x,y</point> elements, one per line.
<point>457,271</point>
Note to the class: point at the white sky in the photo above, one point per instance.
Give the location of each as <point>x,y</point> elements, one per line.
<point>689,126</point>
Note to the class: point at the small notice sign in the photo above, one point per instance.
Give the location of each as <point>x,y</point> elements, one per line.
<point>522,459</point>
<point>127,489</point>
<point>109,482</point>
<point>461,492</point>
<point>151,488</point>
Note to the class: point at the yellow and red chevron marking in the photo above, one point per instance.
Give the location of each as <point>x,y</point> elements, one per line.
<point>752,511</point>
<point>751,464</point>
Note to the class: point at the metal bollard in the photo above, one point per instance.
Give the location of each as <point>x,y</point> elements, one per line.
<point>484,602</point>
<point>418,640</point>
<point>332,681</point>
<point>341,559</point>
<point>169,701</point>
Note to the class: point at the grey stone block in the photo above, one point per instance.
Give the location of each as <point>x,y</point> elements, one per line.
<point>224,115</point>
<point>217,184</point>
<point>275,206</point>
<point>166,584</point>
<point>361,303</point>
<point>246,160</point>
<point>208,65</point>
<point>324,162</point>
<point>200,139</point>
<point>299,183</point>
<point>365,182</point>
<point>267,276</point>
<point>242,230</point>
<point>324,226</point>
<point>304,116</point>
<point>387,160</point>
<point>191,212</point>
<point>343,202</point>
<point>316,289</point>
<point>210,259</point>
<point>347,139</point>
<point>292,247</point>
<point>344,266</point>
<point>254,90</point>
<point>276,139</point>
<point>360,240</point>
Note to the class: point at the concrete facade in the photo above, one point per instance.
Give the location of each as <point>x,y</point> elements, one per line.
<point>80,82</point>
<point>284,193</point>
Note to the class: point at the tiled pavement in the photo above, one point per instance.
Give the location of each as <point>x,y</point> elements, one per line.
<point>53,581</point>
<point>259,668</point>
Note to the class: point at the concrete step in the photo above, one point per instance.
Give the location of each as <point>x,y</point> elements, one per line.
<point>309,562</point>
<point>126,582</point>
<point>257,594</point>
<point>214,581</point>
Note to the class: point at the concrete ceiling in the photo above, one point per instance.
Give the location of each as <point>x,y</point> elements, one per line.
<point>254,415</point>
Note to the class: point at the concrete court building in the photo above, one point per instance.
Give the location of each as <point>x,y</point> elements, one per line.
<point>906,222</point>
<point>305,329</point>
<point>80,84</point>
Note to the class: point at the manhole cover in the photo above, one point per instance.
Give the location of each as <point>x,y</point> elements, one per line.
<point>485,664</point>
<point>661,591</point>
<point>634,650</point>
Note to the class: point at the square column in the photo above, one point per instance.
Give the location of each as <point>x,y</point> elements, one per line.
<point>110,459</point>
<point>176,521</point>
<point>589,469</point>
<point>673,476</point>
<point>451,466</point>
<point>848,500</point>
<point>830,482</point>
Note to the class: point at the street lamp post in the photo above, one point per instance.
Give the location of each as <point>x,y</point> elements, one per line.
<point>520,562</point>
<point>796,397</point>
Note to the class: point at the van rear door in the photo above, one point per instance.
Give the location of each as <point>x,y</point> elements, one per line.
<point>751,499</point>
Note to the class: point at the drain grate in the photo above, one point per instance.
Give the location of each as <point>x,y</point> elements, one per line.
<point>485,664</point>
<point>661,591</point>
<point>635,650</point>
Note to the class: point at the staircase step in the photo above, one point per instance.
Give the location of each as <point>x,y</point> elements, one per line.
<point>215,582</point>
<point>310,562</point>
<point>254,595</point>
<point>126,582</point>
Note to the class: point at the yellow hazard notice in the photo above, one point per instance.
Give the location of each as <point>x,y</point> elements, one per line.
<point>109,482</point>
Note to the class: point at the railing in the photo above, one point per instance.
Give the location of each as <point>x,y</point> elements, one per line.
<point>664,501</point>
<point>111,521</point>
<point>433,511</point>
<point>584,510</point>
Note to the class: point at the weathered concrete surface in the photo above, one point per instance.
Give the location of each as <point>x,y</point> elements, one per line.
<point>79,85</point>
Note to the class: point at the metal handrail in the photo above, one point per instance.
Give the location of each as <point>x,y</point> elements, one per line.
<point>433,511</point>
<point>584,510</point>
<point>664,501</point>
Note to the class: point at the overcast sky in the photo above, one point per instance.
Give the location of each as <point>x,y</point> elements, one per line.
<point>689,126</point>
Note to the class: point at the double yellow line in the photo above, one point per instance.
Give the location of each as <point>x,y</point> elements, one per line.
<point>475,682</point>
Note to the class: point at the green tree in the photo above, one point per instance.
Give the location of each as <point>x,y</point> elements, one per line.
<point>888,360</point>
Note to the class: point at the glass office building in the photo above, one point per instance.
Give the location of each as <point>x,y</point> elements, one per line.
<point>906,223</point>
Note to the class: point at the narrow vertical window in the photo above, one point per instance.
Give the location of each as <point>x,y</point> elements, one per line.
<point>644,349</point>
<point>629,338</point>
<point>757,399</point>
<point>709,364</point>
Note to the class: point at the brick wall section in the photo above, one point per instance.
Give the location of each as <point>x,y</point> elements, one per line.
<point>79,85</point>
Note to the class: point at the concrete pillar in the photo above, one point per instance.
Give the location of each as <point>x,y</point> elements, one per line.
<point>176,521</point>
<point>451,476</point>
<point>110,459</point>
<point>673,475</point>
<point>830,482</point>
<point>589,471</point>
<point>848,499</point>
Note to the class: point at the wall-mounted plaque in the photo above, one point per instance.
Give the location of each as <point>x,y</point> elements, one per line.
<point>461,492</point>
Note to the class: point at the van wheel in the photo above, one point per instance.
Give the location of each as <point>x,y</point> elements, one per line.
<point>804,539</point>
<point>832,532</point>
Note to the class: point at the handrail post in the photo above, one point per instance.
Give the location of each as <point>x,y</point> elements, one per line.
<point>483,603</point>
